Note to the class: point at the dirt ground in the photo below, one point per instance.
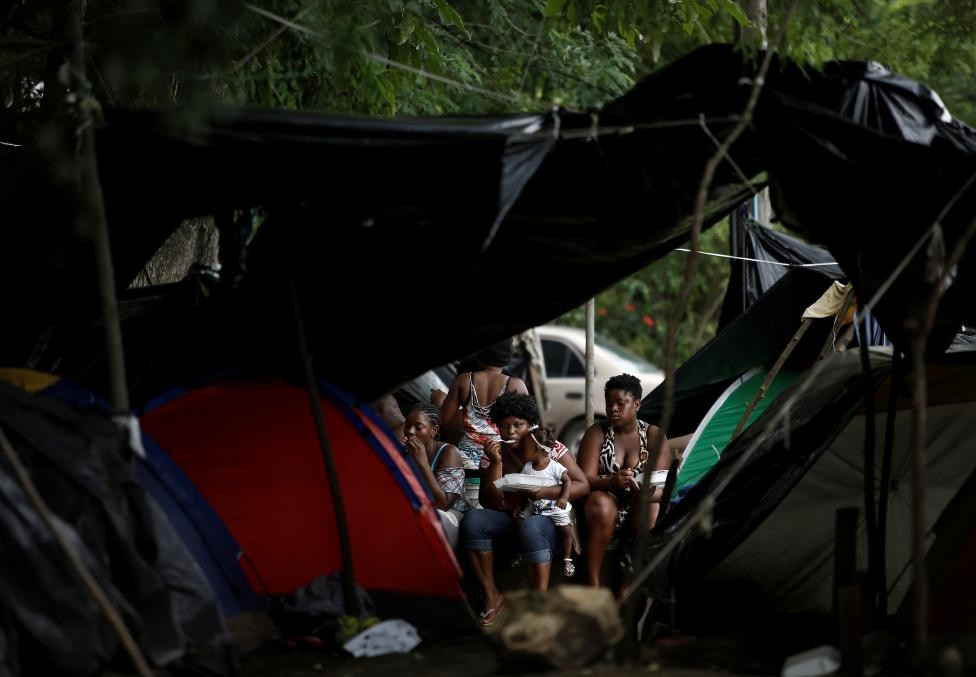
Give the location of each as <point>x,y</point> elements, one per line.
<point>473,657</point>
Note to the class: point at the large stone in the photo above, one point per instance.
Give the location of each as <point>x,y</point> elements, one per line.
<point>566,627</point>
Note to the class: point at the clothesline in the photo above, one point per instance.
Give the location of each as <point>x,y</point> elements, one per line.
<point>775,263</point>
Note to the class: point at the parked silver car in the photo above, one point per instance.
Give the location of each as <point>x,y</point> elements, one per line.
<point>564,349</point>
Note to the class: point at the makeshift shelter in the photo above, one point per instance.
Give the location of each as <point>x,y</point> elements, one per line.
<point>771,544</point>
<point>249,445</point>
<point>599,198</point>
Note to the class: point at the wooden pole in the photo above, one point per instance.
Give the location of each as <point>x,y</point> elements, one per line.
<point>342,530</point>
<point>920,585</point>
<point>847,593</point>
<point>590,366</point>
<point>781,360</point>
<point>885,482</point>
<point>870,512</point>
<point>90,214</point>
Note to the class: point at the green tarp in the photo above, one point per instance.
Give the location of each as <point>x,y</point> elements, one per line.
<point>715,430</point>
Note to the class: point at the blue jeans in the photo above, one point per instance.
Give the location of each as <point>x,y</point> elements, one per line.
<point>537,535</point>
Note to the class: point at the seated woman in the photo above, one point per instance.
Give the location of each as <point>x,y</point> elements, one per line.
<point>440,465</point>
<point>611,454</point>
<point>518,421</point>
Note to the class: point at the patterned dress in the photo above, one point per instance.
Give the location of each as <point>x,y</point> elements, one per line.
<point>477,427</point>
<point>608,464</point>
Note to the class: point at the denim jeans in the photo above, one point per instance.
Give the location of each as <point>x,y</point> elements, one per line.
<point>537,535</point>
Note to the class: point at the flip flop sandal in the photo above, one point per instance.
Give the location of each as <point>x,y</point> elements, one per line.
<point>486,618</point>
<point>568,567</point>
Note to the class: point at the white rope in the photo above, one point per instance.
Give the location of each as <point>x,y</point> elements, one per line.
<point>746,258</point>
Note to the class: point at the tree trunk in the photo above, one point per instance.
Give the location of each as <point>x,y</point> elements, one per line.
<point>755,33</point>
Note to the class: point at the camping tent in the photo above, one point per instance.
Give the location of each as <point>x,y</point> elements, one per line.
<point>715,431</point>
<point>198,527</point>
<point>250,446</point>
<point>770,549</point>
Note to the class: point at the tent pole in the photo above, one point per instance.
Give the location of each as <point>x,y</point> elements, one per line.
<point>345,550</point>
<point>869,493</point>
<point>771,375</point>
<point>885,484</point>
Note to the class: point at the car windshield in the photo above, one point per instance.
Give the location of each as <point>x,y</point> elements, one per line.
<point>631,359</point>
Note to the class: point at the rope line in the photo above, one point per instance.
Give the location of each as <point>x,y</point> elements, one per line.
<point>747,258</point>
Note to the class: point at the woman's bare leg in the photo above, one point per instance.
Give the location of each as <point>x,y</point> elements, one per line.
<point>601,515</point>
<point>482,563</point>
<point>539,575</point>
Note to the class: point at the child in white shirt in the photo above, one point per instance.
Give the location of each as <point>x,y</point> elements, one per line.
<point>558,510</point>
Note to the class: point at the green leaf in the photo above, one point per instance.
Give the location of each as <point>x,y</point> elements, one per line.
<point>598,17</point>
<point>434,63</point>
<point>732,9</point>
<point>450,16</point>
<point>553,8</point>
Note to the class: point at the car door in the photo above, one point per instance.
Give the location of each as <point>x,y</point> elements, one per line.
<point>565,378</point>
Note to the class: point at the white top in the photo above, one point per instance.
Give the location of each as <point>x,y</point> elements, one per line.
<point>552,472</point>
<point>548,477</point>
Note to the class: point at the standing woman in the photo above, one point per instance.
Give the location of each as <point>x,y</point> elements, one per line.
<point>440,465</point>
<point>470,399</point>
<point>611,454</point>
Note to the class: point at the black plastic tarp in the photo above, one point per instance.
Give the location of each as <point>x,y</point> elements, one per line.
<point>377,216</point>
<point>866,172</point>
<point>48,622</point>
<point>765,256</point>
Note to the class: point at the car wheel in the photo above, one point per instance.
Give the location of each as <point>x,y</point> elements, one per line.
<point>572,435</point>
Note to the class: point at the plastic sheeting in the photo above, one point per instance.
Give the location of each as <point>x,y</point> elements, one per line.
<point>369,214</point>
<point>749,280</point>
<point>770,548</point>
<point>48,622</point>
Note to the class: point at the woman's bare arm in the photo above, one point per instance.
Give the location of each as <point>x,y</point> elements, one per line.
<point>456,394</point>
<point>489,495</point>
